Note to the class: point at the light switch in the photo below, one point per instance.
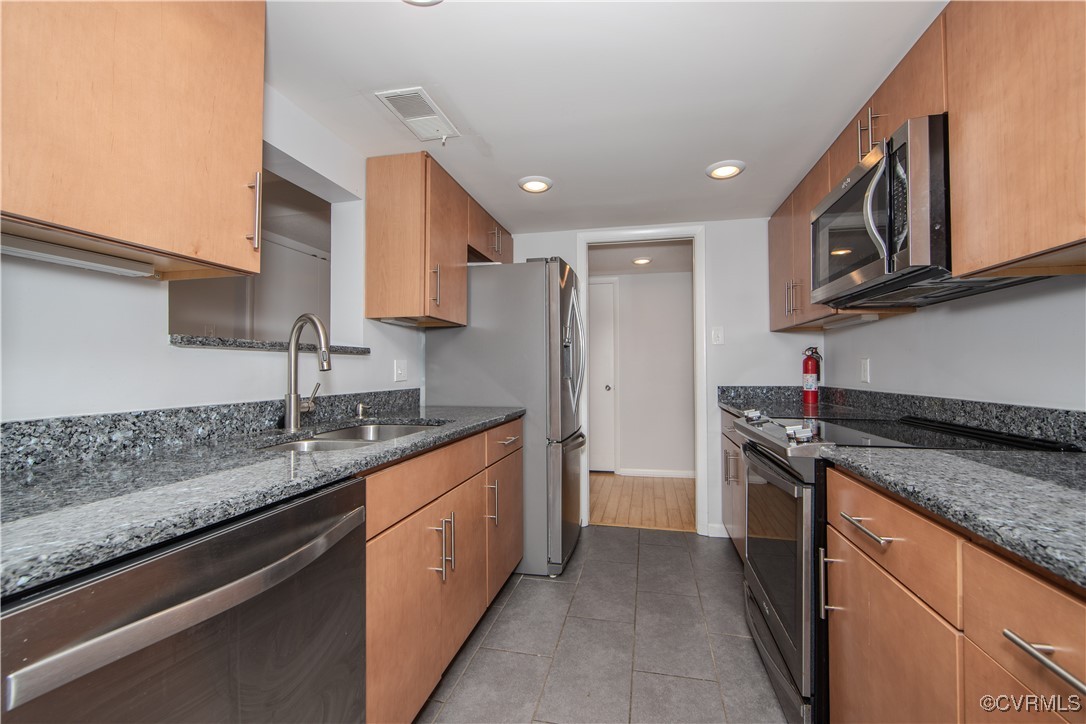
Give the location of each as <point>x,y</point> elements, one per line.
<point>865,370</point>
<point>399,370</point>
<point>718,335</point>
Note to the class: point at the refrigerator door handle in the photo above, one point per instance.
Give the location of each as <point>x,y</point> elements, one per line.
<point>581,342</point>
<point>576,443</point>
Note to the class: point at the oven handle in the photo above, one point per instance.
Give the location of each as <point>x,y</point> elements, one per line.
<point>765,466</point>
<point>869,213</point>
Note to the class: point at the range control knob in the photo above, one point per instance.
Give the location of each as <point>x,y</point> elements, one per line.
<point>752,415</point>
<point>799,433</point>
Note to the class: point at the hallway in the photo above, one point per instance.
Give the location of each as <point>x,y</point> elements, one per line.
<point>642,502</point>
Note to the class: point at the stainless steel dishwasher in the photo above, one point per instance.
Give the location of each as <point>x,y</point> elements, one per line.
<point>261,620</point>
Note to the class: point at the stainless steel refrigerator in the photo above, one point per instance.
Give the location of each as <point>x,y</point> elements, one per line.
<point>525,345</point>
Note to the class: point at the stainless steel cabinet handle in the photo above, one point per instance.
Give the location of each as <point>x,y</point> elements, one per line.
<point>1037,652</point>
<point>444,551</point>
<point>788,298</point>
<point>729,475</point>
<point>494,487</point>
<point>871,116</point>
<point>436,299</point>
<point>499,241</point>
<point>822,562</point>
<point>881,540</point>
<point>859,140</point>
<point>510,440</point>
<point>452,538</point>
<point>792,301</point>
<point>497,244</point>
<point>66,666</point>
<point>258,221</point>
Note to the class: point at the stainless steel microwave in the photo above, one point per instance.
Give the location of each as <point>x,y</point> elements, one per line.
<point>881,238</point>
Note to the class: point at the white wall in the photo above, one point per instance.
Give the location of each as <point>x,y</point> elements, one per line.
<point>1025,346</point>
<point>736,298</point>
<point>77,342</point>
<point>655,363</point>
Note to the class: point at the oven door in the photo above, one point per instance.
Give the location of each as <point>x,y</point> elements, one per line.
<point>780,523</point>
<point>849,230</point>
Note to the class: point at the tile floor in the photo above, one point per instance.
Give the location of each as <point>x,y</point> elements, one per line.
<point>643,626</point>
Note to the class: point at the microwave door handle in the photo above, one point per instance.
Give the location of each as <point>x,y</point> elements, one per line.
<point>869,213</point>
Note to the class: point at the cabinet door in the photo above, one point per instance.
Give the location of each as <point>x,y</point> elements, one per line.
<point>811,190</point>
<point>984,677</point>
<point>505,246</point>
<point>483,232</point>
<point>1016,89</point>
<point>463,593</point>
<point>138,122</point>
<point>504,521</point>
<point>780,266</point>
<point>403,616</point>
<point>916,87</point>
<point>892,659</point>
<point>735,495</point>
<point>448,213</point>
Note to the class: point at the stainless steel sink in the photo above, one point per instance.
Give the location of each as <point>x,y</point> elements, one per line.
<point>314,445</point>
<point>371,433</point>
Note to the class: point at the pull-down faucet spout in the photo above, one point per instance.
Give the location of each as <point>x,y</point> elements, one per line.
<point>295,405</point>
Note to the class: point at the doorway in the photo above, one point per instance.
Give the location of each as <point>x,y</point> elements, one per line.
<point>641,393</point>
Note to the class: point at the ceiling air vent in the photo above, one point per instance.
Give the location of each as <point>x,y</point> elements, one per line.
<point>419,113</point>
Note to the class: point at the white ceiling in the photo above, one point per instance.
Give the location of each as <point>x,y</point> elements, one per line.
<point>617,259</point>
<point>623,104</point>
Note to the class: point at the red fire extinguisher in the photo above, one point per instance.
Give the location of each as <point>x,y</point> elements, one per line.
<point>811,373</point>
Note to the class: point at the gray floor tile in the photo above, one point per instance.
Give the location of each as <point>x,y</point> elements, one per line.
<point>589,680</point>
<point>744,684</point>
<point>452,674</point>
<point>605,543</point>
<point>498,686</point>
<point>712,555</point>
<point>507,591</point>
<point>429,712</point>
<point>658,698</point>
<point>607,591</point>
<point>665,569</point>
<point>670,637</point>
<point>531,621</point>
<point>722,603</point>
<point>663,538</point>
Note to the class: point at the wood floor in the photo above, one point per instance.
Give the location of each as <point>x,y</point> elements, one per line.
<point>659,503</point>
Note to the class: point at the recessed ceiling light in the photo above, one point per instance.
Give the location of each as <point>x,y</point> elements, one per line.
<point>642,260</point>
<point>725,169</point>
<point>840,252</point>
<point>535,184</point>
<point>422,3</point>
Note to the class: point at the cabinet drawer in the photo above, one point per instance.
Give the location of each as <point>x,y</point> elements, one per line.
<point>504,439</point>
<point>921,554</point>
<point>999,596</point>
<point>396,492</point>
<point>984,677</point>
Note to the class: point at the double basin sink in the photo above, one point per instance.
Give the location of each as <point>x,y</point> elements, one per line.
<point>349,437</point>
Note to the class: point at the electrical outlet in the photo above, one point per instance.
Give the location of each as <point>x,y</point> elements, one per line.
<point>399,370</point>
<point>865,370</point>
<point>718,335</point>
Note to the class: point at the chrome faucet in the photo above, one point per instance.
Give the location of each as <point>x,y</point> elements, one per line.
<point>295,405</point>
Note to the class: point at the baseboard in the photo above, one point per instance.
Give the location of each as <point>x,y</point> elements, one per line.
<point>717,530</point>
<point>646,473</point>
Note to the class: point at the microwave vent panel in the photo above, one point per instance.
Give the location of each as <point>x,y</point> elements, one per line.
<point>417,111</point>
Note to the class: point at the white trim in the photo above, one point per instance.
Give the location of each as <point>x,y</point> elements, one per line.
<point>701,420</point>
<point>717,530</point>
<point>646,473</point>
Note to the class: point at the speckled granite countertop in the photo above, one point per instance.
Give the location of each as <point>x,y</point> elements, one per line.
<point>1032,504</point>
<point>65,518</point>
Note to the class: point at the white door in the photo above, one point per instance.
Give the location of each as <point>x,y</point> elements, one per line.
<point>601,376</point>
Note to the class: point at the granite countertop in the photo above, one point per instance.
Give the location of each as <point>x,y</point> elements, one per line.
<point>1032,504</point>
<point>61,519</point>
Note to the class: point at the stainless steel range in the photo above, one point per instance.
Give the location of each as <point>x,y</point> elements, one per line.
<point>786,534</point>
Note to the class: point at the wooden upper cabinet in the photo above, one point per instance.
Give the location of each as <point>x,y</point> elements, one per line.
<point>810,192</point>
<point>488,240</point>
<point>780,266</point>
<point>1016,86</point>
<point>916,87</point>
<point>417,228</point>
<point>135,128</point>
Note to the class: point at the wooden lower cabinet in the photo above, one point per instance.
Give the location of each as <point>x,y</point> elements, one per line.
<point>983,678</point>
<point>504,499</point>
<point>892,659</point>
<point>463,593</point>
